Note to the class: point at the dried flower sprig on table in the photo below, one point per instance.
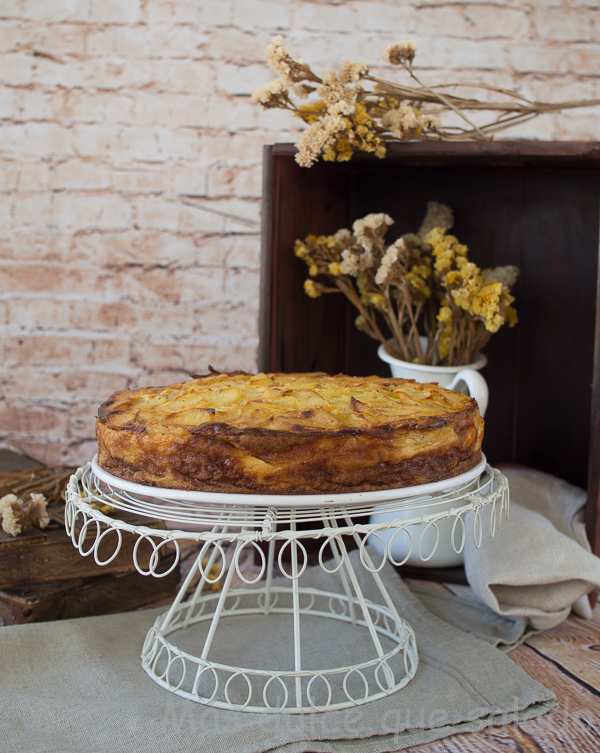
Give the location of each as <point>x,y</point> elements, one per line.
<point>421,285</point>
<point>17,514</point>
<point>47,483</point>
<point>344,114</point>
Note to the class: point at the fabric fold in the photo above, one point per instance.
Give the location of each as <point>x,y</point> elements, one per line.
<point>539,563</point>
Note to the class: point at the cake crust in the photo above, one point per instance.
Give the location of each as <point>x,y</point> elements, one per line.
<point>289,434</point>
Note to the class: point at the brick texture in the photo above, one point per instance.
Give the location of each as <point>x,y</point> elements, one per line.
<point>130,172</point>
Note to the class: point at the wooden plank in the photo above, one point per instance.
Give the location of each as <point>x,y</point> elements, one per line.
<point>42,556</point>
<point>455,575</point>
<point>299,202</point>
<point>83,597</point>
<point>465,592</point>
<point>429,586</point>
<point>267,261</point>
<point>573,728</point>
<point>575,645</point>
<point>509,151</point>
<point>576,725</point>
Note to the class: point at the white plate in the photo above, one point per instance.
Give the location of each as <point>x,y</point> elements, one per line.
<point>289,500</point>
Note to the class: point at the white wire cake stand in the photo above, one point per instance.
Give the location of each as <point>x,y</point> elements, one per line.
<point>226,525</point>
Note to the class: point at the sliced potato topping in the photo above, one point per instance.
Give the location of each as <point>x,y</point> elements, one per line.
<point>283,402</point>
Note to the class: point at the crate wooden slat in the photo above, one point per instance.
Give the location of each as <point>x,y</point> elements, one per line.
<point>43,556</point>
<point>533,204</point>
<point>83,597</point>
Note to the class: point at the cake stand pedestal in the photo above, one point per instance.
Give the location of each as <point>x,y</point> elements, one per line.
<point>227,525</point>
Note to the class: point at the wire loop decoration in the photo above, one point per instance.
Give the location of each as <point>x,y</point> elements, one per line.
<point>229,529</point>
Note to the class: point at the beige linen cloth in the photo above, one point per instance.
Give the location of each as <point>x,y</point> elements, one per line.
<point>78,686</point>
<point>540,564</point>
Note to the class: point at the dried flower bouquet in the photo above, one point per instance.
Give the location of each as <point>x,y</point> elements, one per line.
<point>345,115</point>
<point>421,285</point>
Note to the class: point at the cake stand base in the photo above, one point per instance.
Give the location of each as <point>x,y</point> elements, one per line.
<point>268,645</point>
<point>389,640</point>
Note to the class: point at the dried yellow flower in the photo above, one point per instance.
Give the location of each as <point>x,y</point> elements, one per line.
<point>377,300</point>
<point>423,270</point>
<point>446,249</point>
<point>310,289</point>
<point>511,316</point>
<point>418,282</point>
<point>360,322</point>
<point>301,250</point>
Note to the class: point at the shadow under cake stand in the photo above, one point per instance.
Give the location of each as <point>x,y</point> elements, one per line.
<point>227,525</point>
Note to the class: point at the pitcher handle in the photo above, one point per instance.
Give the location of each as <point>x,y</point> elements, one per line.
<point>476,385</point>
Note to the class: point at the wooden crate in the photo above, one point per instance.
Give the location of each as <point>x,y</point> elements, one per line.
<point>43,556</point>
<point>532,204</point>
<point>84,597</point>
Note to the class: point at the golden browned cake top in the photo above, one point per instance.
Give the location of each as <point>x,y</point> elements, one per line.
<point>283,402</point>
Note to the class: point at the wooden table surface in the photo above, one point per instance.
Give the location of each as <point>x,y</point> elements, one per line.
<point>567,661</point>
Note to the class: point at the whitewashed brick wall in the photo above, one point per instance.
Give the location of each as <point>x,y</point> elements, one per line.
<point>130,172</point>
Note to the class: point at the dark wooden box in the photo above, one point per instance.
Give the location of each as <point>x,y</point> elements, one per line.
<point>533,204</point>
<point>87,596</point>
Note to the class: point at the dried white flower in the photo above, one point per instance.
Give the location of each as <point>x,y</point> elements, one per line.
<point>38,509</point>
<point>15,514</point>
<point>340,108</point>
<point>270,94</point>
<point>290,71</point>
<point>314,140</point>
<point>342,237</point>
<point>354,262</point>
<point>7,500</point>
<point>366,243</point>
<point>401,121</point>
<point>388,260</point>
<point>403,51</point>
<point>352,72</point>
<point>303,90</point>
<point>507,275</point>
<point>438,215</point>
<point>335,89</point>
<point>276,55</point>
<point>371,222</point>
<point>10,524</point>
<point>404,122</point>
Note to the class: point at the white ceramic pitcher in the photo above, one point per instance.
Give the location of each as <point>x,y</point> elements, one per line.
<point>463,379</point>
